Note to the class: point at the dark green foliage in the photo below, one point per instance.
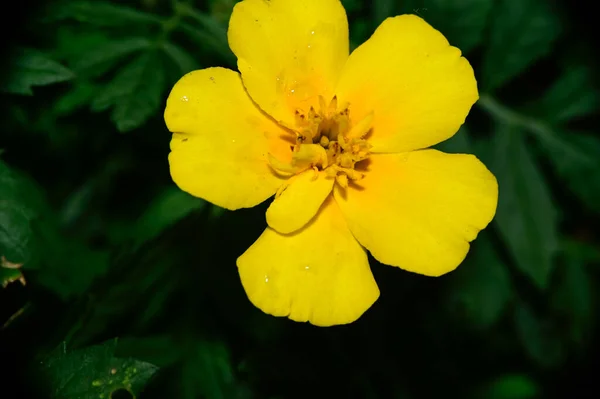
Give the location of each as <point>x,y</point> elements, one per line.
<point>108,247</point>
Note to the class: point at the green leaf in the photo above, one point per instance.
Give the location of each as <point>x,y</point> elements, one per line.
<point>208,372</point>
<point>94,372</point>
<point>29,235</point>
<point>521,32</point>
<point>461,21</point>
<point>572,96</point>
<point>135,93</point>
<point>167,208</point>
<point>30,68</point>
<point>511,386</point>
<point>573,299</point>
<point>110,52</point>
<point>460,143</point>
<point>482,286</point>
<point>21,204</point>
<point>75,99</point>
<point>539,337</point>
<point>526,216</point>
<point>578,164</point>
<point>181,58</point>
<point>100,13</point>
<point>383,9</point>
<point>162,351</point>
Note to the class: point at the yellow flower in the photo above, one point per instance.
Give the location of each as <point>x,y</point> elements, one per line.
<point>340,141</point>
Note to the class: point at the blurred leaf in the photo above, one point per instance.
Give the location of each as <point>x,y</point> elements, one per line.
<point>461,21</point>
<point>30,68</point>
<point>572,96</point>
<point>526,216</point>
<point>167,208</point>
<point>351,5</point>
<point>582,251</point>
<point>20,205</point>
<point>181,58</point>
<point>538,336</point>
<point>382,9</point>
<point>208,372</point>
<point>94,372</point>
<point>511,386</point>
<point>482,285</point>
<point>580,167</point>
<point>521,32</point>
<point>29,235</point>
<point>109,52</point>
<point>161,350</point>
<point>135,93</point>
<point>75,99</point>
<point>460,143</point>
<point>100,13</point>
<point>573,297</point>
<point>206,31</point>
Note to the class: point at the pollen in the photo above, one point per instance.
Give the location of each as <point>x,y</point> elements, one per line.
<point>327,140</point>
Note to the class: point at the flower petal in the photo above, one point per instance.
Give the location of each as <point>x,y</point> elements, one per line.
<point>300,201</point>
<point>221,140</point>
<point>420,210</point>
<point>418,86</point>
<point>289,52</point>
<point>319,274</point>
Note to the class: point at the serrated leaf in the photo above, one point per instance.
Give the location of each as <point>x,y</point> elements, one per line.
<point>181,58</point>
<point>100,13</point>
<point>135,93</point>
<point>539,337</point>
<point>580,166</point>
<point>521,32</point>
<point>572,96</point>
<point>461,21</point>
<point>94,372</point>
<point>29,68</point>
<point>482,286</point>
<point>110,52</point>
<point>526,216</point>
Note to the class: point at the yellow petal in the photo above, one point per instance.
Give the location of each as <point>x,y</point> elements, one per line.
<point>420,210</point>
<point>289,52</point>
<point>418,86</point>
<point>221,140</point>
<point>299,202</point>
<point>319,274</point>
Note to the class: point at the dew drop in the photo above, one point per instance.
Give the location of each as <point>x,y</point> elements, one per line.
<point>266,278</point>
<point>185,99</point>
<point>312,32</point>
<point>306,267</point>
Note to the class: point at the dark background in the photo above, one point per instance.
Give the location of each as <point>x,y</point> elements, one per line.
<point>109,247</point>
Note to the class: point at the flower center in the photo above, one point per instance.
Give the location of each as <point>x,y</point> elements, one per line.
<point>326,140</point>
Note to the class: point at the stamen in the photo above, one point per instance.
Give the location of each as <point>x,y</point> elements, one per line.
<point>361,128</point>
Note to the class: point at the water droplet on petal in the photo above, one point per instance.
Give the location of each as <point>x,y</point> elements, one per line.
<point>185,98</point>
<point>306,267</point>
<point>266,278</point>
<point>312,32</point>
